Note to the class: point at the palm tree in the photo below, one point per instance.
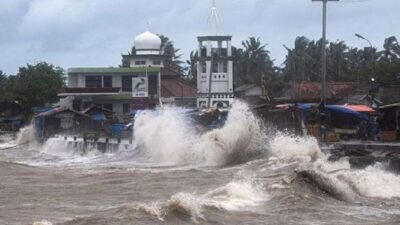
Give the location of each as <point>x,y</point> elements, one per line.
<point>255,61</point>
<point>3,85</point>
<point>391,52</point>
<point>192,66</point>
<point>337,60</point>
<point>296,58</point>
<point>168,49</point>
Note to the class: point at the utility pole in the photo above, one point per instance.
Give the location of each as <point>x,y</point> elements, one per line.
<point>323,60</point>
<point>210,81</point>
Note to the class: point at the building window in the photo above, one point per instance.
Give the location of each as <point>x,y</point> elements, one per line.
<point>141,62</point>
<point>107,81</point>
<point>225,67</point>
<point>108,106</point>
<point>224,52</point>
<point>127,83</point>
<point>153,84</point>
<point>93,81</point>
<point>157,62</point>
<point>126,107</point>
<point>215,67</point>
<point>203,51</point>
<point>203,67</point>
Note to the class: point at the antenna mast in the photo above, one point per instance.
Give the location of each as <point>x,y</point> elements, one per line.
<point>214,21</point>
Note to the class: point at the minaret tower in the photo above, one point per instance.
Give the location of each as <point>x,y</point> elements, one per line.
<point>215,65</point>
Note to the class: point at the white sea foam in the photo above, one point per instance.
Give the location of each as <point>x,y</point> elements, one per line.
<point>43,222</point>
<point>289,147</point>
<point>372,181</point>
<point>238,195</point>
<point>26,135</point>
<point>168,138</point>
<point>7,141</point>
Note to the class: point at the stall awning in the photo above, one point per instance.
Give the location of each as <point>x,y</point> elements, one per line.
<point>342,110</point>
<point>359,108</point>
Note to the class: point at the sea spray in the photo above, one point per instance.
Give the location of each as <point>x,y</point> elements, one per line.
<point>165,138</point>
<point>168,138</point>
<point>241,139</point>
<point>290,147</point>
<point>26,134</point>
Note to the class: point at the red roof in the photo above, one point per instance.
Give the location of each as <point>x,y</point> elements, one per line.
<point>176,87</point>
<point>312,90</point>
<point>359,108</point>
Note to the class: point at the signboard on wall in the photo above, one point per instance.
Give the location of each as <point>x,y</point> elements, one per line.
<point>140,87</point>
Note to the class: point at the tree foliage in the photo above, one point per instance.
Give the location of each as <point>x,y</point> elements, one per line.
<point>4,93</point>
<point>252,63</point>
<point>36,85</point>
<point>191,69</point>
<point>343,62</point>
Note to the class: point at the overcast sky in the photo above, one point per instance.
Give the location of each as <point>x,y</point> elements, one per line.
<point>94,33</point>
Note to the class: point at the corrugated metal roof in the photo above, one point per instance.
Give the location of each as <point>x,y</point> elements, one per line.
<point>245,87</point>
<point>312,90</point>
<point>60,110</point>
<point>175,87</point>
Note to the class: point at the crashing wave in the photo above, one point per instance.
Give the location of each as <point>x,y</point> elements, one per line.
<point>168,138</point>
<point>237,195</point>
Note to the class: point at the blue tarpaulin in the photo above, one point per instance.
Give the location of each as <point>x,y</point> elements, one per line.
<point>98,117</point>
<point>343,110</point>
<point>117,129</point>
<point>331,108</point>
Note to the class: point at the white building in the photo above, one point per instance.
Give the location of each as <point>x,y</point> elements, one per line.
<point>111,87</point>
<point>215,72</point>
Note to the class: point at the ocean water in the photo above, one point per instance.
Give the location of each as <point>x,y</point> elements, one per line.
<point>242,173</point>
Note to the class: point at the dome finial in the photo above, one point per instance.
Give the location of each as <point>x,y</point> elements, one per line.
<point>147,26</point>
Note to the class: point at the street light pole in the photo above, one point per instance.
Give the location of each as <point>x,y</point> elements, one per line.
<point>323,57</point>
<point>372,57</point>
<point>362,37</point>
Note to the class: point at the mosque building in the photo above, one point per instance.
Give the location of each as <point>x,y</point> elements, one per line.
<point>143,81</point>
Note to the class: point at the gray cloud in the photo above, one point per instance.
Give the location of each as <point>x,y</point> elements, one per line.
<point>71,33</point>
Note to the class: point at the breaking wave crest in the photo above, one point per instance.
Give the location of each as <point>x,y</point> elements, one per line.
<point>238,195</point>
<point>372,181</point>
<point>342,182</point>
<point>337,178</point>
